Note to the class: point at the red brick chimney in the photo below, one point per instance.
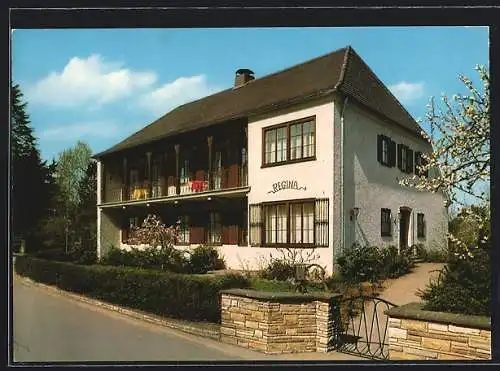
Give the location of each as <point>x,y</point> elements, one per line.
<point>243,75</point>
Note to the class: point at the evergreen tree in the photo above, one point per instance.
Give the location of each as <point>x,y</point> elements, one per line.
<point>30,177</point>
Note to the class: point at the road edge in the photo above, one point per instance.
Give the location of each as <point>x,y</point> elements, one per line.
<point>192,328</point>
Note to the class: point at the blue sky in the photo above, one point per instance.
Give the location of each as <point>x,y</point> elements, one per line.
<point>100,86</point>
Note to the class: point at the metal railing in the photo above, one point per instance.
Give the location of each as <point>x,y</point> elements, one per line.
<point>361,326</point>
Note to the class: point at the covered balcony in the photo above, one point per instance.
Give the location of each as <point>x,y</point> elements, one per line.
<point>192,164</point>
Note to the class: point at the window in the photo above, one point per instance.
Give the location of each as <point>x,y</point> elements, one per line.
<point>420,161</point>
<point>302,223</point>
<point>293,223</point>
<point>256,225</point>
<point>385,222</point>
<point>405,158</point>
<point>128,232</point>
<point>243,230</point>
<point>420,226</point>
<point>133,223</point>
<point>276,223</point>
<point>215,228</point>
<point>321,221</point>
<point>183,237</point>
<point>290,142</point>
<point>386,151</point>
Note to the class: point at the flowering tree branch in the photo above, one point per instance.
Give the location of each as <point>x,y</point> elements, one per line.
<point>460,161</point>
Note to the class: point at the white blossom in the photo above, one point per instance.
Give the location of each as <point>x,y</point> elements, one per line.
<point>460,160</point>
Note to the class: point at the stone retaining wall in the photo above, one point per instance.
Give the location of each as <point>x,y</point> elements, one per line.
<point>276,322</point>
<point>416,334</point>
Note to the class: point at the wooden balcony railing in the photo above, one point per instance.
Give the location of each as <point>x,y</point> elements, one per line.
<point>234,177</point>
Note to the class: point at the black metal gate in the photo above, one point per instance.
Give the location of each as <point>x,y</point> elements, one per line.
<point>361,327</point>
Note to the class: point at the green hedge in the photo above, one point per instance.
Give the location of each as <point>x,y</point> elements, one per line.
<point>163,293</point>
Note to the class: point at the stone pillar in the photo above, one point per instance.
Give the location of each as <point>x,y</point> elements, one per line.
<point>281,323</point>
<point>324,325</point>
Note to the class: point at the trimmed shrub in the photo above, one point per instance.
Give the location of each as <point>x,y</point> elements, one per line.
<point>119,257</point>
<point>463,286</point>
<point>360,264</point>
<point>205,258</point>
<point>162,293</point>
<point>394,264</point>
<point>372,264</point>
<point>278,270</point>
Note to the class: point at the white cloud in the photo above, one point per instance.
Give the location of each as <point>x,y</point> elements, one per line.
<point>89,81</point>
<point>407,92</point>
<point>175,93</point>
<point>77,131</point>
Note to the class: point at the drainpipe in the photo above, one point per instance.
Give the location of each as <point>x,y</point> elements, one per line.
<point>342,134</point>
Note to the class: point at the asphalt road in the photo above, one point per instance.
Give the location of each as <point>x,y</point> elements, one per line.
<point>49,327</point>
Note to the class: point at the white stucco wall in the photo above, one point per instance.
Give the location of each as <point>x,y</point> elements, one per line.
<point>315,176</point>
<point>371,186</point>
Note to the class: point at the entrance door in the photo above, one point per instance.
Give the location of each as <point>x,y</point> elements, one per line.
<point>404,226</point>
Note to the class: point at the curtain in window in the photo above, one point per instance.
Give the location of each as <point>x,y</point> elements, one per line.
<point>308,218</point>
<point>270,150</point>
<point>282,224</point>
<point>322,221</point>
<point>308,130</point>
<point>255,224</point>
<point>281,142</point>
<point>296,223</point>
<point>296,141</point>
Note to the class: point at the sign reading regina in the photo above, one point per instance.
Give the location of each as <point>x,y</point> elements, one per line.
<point>287,184</point>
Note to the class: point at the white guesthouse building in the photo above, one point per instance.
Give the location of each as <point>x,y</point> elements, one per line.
<point>308,157</point>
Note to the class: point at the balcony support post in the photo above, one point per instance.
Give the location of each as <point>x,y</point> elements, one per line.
<point>148,169</point>
<point>210,142</point>
<point>177,169</point>
<point>100,182</point>
<point>125,189</point>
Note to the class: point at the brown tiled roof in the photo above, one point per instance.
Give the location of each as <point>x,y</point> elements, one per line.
<point>342,70</point>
